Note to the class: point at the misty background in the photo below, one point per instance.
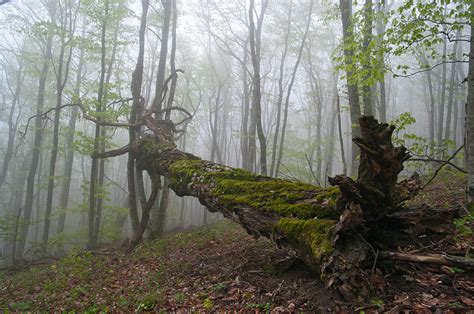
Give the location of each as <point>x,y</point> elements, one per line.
<point>52,53</point>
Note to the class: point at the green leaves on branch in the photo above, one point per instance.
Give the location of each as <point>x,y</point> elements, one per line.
<point>419,27</point>
<point>415,28</point>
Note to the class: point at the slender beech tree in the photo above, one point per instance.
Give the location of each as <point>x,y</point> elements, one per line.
<point>160,219</point>
<point>470,111</point>
<point>352,88</point>
<point>290,87</point>
<point>451,92</point>
<point>442,96</point>
<point>281,89</point>
<point>367,34</point>
<point>38,138</point>
<point>69,160</point>
<point>67,22</point>
<point>380,29</point>
<point>160,78</point>
<point>12,121</point>
<point>92,237</point>
<point>255,39</point>
<point>138,225</point>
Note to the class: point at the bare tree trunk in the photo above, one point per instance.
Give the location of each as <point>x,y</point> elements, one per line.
<point>280,91</point>
<point>255,43</point>
<point>157,227</point>
<point>92,237</point>
<point>380,27</point>
<point>341,139</point>
<point>157,101</point>
<point>15,204</point>
<point>443,97</point>
<point>12,124</point>
<point>64,198</point>
<point>353,91</point>
<point>290,86</point>
<point>67,25</point>
<point>451,93</point>
<point>30,182</point>
<point>134,132</point>
<point>431,111</point>
<point>103,132</point>
<point>469,140</point>
<point>366,88</point>
<point>330,146</point>
<point>246,163</point>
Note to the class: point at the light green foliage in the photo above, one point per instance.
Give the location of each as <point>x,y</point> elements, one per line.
<point>413,27</point>
<point>378,302</point>
<point>208,304</point>
<point>21,306</point>
<point>266,307</point>
<point>401,137</point>
<point>365,64</point>
<point>317,234</point>
<point>219,286</point>
<point>417,145</point>
<point>419,25</point>
<point>147,304</point>
<point>464,224</point>
<point>179,297</point>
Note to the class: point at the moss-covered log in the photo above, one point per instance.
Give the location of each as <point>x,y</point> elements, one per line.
<point>285,211</point>
<point>326,228</point>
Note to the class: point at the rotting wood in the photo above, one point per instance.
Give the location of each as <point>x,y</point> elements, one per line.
<point>333,230</point>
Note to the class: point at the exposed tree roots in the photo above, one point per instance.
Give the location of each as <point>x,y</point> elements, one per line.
<point>336,231</point>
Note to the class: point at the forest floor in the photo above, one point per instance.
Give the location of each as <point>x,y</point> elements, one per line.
<point>222,268</point>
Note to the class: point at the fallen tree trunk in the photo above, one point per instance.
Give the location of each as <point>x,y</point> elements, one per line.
<point>327,228</point>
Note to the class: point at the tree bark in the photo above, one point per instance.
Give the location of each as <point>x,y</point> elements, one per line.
<point>92,236</point>
<point>157,101</point>
<point>470,114</point>
<point>38,138</point>
<point>67,26</point>
<point>353,90</point>
<point>64,198</point>
<point>255,43</point>
<point>341,139</point>
<point>366,87</point>
<point>280,91</point>
<point>12,124</point>
<point>134,132</point>
<point>452,78</point>
<point>380,28</point>
<point>290,86</point>
<point>442,99</point>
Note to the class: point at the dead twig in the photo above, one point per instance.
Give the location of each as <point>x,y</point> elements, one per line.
<point>44,115</point>
<point>442,165</point>
<point>428,246</point>
<point>311,169</point>
<point>433,259</point>
<point>275,293</point>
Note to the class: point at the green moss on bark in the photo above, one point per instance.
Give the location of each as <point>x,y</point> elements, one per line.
<point>315,234</point>
<point>237,187</point>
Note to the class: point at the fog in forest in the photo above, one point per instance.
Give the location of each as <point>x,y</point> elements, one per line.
<point>274,87</point>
